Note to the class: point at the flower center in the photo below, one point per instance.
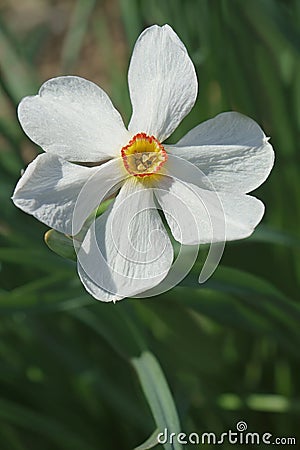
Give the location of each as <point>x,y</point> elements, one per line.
<point>143,155</point>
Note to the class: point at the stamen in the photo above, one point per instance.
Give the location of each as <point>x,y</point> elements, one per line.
<point>143,155</point>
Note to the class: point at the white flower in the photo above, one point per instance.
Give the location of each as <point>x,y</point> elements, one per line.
<point>127,250</point>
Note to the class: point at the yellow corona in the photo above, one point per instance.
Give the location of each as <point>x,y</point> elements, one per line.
<point>143,155</point>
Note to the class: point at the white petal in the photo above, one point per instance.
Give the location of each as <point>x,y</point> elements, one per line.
<point>95,290</point>
<point>50,188</point>
<point>231,150</point>
<point>75,119</point>
<point>197,215</point>
<point>128,251</point>
<point>162,82</point>
<point>102,183</point>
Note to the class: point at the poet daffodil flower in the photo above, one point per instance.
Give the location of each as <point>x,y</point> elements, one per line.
<point>127,249</point>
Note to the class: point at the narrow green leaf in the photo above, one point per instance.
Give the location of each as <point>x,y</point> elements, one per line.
<point>273,236</point>
<point>115,325</point>
<point>18,78</point>
<point>10,161</point>
<point>250,299</point>
<point>54,292</point>
<point>158,395</point>
<point>45,261</point>
<point>132,19</point>
<point>118,327</point>
<point>38,423</point>
<point>76,33</point>
<point>235,281</point>
<point>150,442</point>
<point>9,436</point>
<point>12,133</point>
<point>259,402</point>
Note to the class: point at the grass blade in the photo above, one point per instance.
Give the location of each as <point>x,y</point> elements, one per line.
<point>158,395</point>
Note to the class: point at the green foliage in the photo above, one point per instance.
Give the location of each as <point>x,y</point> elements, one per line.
<point>83,375</point>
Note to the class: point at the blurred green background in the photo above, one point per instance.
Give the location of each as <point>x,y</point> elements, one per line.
<point>71,371</point>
